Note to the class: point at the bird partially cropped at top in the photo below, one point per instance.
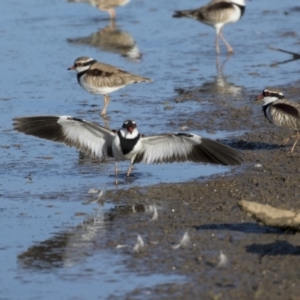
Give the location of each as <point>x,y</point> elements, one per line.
<point>281,112</point>
<point>105,5</point>
<point>217,13</point>
<point>127,143</point>
<point>99,78</point>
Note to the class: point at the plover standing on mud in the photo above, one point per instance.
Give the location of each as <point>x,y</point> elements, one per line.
<point>216,13</point>
<point>99,78</point>
<point>105,5</point>
<point>127,143</point>
<point>281,112</point>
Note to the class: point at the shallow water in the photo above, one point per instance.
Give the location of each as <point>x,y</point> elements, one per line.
<point>44,186</point>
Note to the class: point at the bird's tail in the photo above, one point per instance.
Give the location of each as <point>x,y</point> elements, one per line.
<point>141,79</point>
<point>183,13</point>
<point>145,79</point>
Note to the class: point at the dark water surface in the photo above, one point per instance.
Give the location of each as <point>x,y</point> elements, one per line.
<point>51,226</point>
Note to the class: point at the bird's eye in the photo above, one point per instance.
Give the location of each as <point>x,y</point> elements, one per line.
<point>79,64</point>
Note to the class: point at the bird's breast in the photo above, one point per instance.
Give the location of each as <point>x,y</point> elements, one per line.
<point>127,145</point>
<point>124,148</point>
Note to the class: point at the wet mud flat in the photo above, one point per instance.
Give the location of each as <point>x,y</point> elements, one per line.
<point>229,255</point>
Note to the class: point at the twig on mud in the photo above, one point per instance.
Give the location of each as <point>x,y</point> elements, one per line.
<point>271,216</point>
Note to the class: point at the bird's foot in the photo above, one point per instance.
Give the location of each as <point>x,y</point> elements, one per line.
<point>293,148</point>
<point>291,152</point>
<point>230,51</point>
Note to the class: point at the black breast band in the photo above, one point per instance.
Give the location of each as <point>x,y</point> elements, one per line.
<point>127,144</point>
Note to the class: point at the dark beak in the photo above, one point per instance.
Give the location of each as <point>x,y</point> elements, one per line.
<point>71,68</point>
<point>130,129</point>
<point>259,97</point>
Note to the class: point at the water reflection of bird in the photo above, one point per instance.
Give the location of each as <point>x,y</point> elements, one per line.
<point>105,5</point>
<point>112,39</point>
<point>281,112</point>
<point>216,13</point>
<point>68,248</point>
<point>102,79</point>
<point>219,85</point>
<point>127,143</point>
<point>222,86</point>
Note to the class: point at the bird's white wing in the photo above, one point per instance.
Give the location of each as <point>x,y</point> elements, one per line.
<point>87,137</point>
<point>167,148</point>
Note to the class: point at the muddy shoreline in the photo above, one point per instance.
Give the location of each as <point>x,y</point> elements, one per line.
<point>61,242</point>
<point>262,262</point>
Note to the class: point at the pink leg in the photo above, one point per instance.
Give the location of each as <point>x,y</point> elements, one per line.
<point>217,44</point>
<point>110,11</point>
<point>285,141</point>
<point>129,170</point>
<point>116,173</point>
<point>229,48</point>
<point>106,102</point>
<point>297,139</point>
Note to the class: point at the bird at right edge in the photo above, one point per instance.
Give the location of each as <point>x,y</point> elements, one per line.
<point>281,112</point>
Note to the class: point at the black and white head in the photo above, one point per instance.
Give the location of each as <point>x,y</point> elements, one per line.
<point>82,64</point>
<point>268,96</point>
<point>129,130</point>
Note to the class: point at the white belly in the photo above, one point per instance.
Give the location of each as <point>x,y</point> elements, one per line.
<point>98,90</point>
<point>234,17</point>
